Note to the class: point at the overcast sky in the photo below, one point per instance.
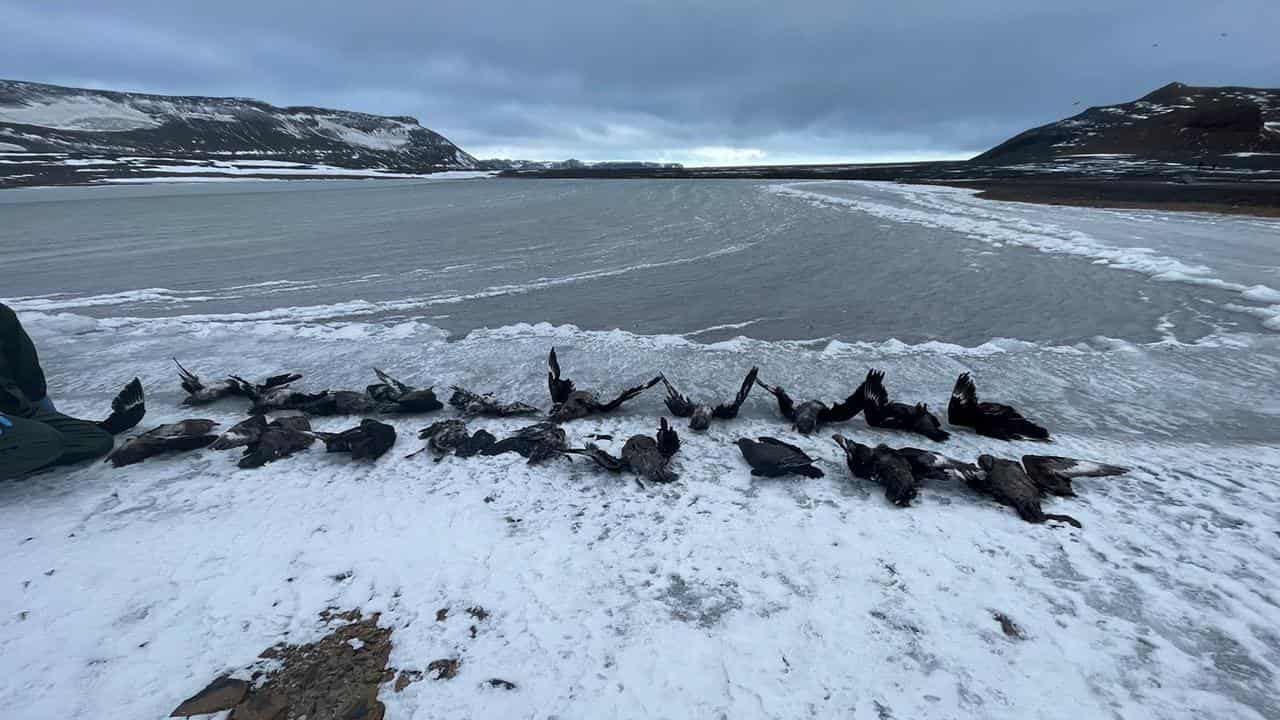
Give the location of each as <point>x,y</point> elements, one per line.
<point>716,82</point>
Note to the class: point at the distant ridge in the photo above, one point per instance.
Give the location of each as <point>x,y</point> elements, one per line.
<point>1179,123</point>
<point>40,118</point>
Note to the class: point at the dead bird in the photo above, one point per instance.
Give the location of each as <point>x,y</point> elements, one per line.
<point>808,415</point>
<point>367,441</point>
<point>451,436</point>
<point>929,465</point>
<point>1008,483</point>
<point>988,418</point>
<point>883,465</point>
<point>200,392</point>
<point>572,404</point>
<point>881,413</point>
<point>1052,474</point>
<point>469,403</point>
<point>770,457</point>
<point>281,438</point>
<point>247,432</point>
<point>537,443</point>
<point>397,397</point>
<point>173,437</point>
<point>648,457</point>
<point>700,415</point>
<point>128,408</point>
<point>241,434</point>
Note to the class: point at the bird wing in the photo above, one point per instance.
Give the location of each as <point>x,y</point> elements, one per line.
<point>786,405</point>
<point>628,394</point>
<point>393,383</point>
<point>678,404</point>
<point>1070,467</point>
<point>730,410</point>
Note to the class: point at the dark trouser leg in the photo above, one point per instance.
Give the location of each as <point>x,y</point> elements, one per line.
<point>81,439</point>
<point>28,446</point>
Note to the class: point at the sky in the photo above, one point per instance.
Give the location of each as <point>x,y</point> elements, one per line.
<point>718,82</point>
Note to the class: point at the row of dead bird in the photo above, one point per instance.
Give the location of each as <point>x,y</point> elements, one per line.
<point>279,426</point>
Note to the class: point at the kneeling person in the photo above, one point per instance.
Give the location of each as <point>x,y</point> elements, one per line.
<point>33,434</point>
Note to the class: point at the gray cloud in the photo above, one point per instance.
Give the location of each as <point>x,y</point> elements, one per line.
<point>715,81</point>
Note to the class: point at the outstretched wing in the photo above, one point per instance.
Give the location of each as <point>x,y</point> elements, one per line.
<point>874,396</point>
<point>1070,467</point>
<point>964,401</point>
<point>599,456</point>
<point>628,394</point>
<point>127,409</point>
<point>678,404</point>
<point>190,381</point>
<point>394,384</point>
<point>730,410</point>
<point>845,410</point>
<point>668,439</point>
<point>785,405</point>
<point>560,389</point>
<point>281,380</point>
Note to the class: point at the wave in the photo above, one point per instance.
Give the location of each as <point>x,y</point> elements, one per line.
<point>937,207</point>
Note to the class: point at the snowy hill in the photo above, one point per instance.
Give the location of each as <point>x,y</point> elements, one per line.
<point>49,119</point>
<point>1177,122</point>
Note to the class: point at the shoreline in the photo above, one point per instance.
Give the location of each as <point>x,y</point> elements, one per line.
<point>1230,198</point>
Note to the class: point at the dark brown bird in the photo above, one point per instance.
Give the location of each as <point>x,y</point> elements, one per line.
<point>469,403</point>
<point>1008,483</point>
<point>451,436</point>
<point>883,465</point>
<point>367,441</point>
<point>173,437</point>
<point>700,415</point>
<point>200,392</point>
<point>572,404</point>
<point>647,457</point>
<point>987,418</point>
<point>1052,475</point>
<point>537,443</point>
<point>881,413</point>
<point>770,457</point>
<point>281,438</point>
<point>808,415</point>
<point>397,397</point>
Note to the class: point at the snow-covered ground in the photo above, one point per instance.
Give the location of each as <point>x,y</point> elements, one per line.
<point>718,596</point>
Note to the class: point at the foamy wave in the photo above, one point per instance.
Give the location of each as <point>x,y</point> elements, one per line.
<point>937,207</point>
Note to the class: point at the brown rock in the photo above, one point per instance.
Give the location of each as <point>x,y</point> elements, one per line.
<point>444,668</point>
<point>261,706</point>
<point>221,694</point>
<point>1009,627</point>
<point>363,708</point>
<point>406,677</point>
<point>501,684</point>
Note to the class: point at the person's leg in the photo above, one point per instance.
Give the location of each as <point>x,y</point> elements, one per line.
<point>81,439</point>
<point>28,446</point>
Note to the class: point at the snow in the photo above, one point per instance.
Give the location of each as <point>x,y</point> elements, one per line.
<point>80,112</point>
<point>382,139</point>
<point>721,595</point>
<point>10,147</point>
